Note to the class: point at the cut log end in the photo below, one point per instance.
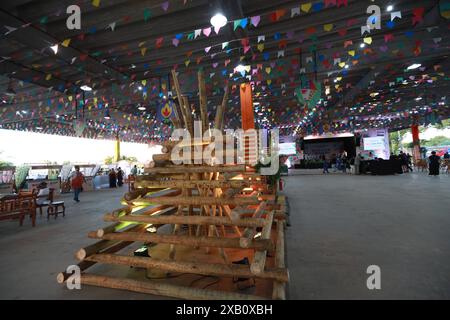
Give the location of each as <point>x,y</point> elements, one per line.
<point>256,269</point>
<point>81,254</point>
<point>245,242</point>
<point>60,278</point>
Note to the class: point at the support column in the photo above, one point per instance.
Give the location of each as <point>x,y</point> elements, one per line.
<point>416,142</point>
<point>117,149</point>
<point>248,116</point>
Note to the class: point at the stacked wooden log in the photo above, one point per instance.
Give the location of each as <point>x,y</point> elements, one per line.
<point>194,219</point>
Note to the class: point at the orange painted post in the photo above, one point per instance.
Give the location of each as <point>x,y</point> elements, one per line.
<point>247,114</point>
<point>416,142</point>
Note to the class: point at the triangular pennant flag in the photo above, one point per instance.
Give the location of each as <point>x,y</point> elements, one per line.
<point>255,20</point>
<point>147,14</point>
<point>306,7</point>
<point>243,23</point>
<point>96,3</point>
<point>261,39</point>
<point>112,26</point>
<point>368,40</point>
<point>328,27</point>
<point>207,31</point>
<point>66,43</point>
<point>10,29</point>
<point>224,45</point>
<point>165,5</point>
<point>396,14</point>
<point>295,12</point>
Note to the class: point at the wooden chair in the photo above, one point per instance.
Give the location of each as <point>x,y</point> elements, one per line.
<point>47,200</point>
<point>18,206</point>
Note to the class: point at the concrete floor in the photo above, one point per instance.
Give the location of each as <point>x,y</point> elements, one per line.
<point>341,224</point>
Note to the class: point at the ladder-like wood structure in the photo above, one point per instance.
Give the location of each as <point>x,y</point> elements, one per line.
<point>209,220</point>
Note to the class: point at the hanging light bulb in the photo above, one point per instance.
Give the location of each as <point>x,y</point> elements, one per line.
<point>218,21</point>
<point>55,48</point>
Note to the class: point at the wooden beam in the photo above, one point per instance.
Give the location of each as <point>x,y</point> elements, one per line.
<point>196,169</point>
<point>162,289</point>
<point>206,220</point>
<point>192,184</point>
<point>218,121</point>
<point>184,240</point>
<point>209,269</point>
<point>203,101</point>
<point>196,201</point>
<point>279,288</point>
<point>259,260</point>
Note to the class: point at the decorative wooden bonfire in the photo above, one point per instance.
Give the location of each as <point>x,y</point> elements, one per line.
<point>193,231</point>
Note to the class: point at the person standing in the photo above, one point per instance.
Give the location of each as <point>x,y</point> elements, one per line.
<point>77,183</point>
<point>119,177</point>
<point>409,162</point>
<point>325,164</point>
<point>357,163</point>
<point>112,178</point>
<point>134,170</point>
<point>434,162</point>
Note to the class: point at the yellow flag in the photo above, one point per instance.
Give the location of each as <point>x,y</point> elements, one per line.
<point>143,51</point>
<point>144,82</point>
<point>352,53</point>
<point>268,70</point>
<point>66,43</point>
<point>306,7</point>
<point>328,27</point>
<point>261,47</point>
<point>96,3</point>
<point>368,40</point>
<point>48,77</point>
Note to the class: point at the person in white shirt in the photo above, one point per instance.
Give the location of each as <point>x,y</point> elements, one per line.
<point>43,193</point>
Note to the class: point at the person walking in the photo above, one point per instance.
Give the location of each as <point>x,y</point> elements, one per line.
<point>112,178</point>
<point>77,183</point>
<point>434,162</point>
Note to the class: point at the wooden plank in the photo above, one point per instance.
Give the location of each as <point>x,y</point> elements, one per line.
<point>162,289</point>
